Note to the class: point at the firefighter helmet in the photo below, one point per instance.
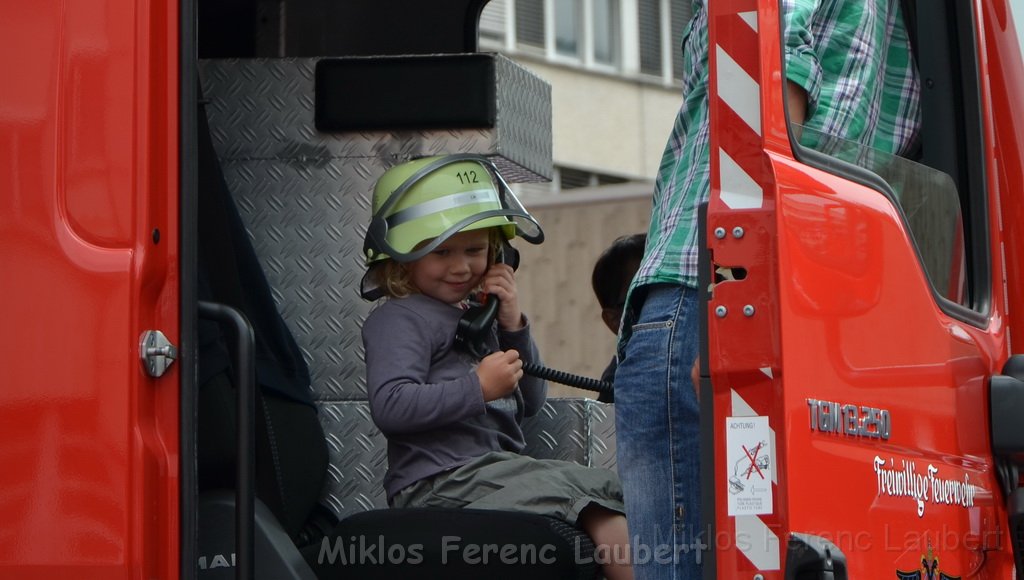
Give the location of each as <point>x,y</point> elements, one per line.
<point>419,204</point>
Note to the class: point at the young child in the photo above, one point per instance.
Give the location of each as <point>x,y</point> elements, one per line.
<point>453,423</point>
<point>613,271</point>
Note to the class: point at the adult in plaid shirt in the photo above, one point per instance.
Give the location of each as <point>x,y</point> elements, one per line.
<point>850,74</point>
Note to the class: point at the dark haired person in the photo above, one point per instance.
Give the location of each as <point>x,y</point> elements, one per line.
<point>613,271</point>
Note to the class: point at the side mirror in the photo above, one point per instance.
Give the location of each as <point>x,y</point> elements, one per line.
<point>1006,398</point>
<point>1014,367</point>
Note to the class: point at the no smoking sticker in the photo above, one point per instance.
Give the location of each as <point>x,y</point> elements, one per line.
<point>748,452</point>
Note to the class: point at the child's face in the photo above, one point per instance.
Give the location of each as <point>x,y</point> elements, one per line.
<point>454,269</point>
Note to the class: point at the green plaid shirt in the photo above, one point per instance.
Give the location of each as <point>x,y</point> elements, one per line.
<point>852,58</point>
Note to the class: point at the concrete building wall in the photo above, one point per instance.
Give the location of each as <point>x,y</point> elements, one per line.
<point>606,123</point>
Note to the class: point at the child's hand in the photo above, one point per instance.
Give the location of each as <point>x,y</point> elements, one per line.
<point>499,372</point>
<point>501,282</point>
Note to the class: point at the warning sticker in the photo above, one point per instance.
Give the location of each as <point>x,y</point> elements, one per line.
<point>749,465</point>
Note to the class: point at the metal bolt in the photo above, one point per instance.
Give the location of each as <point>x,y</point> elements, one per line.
<point>165,351</point>
<point>719,232</point>
<point>737,232</point>
<point>721,311</point>
<point>748,310</point>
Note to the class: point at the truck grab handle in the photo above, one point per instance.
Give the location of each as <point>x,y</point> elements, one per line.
<point>244,371</point>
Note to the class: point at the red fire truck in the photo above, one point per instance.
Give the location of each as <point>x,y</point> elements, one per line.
<point>859,363</point>
<point>862,399</point>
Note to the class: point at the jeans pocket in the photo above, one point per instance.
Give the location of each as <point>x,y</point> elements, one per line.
<point>657,325</point>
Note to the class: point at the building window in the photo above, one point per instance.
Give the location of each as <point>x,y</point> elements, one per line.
<point>680,13</point>
<point>605,36</point>
<point>567,27</point>
<point>529,17</point>
<point>492,21</point>
<point>574,178</point>
<point>651,51</point>
<point>569,178</point>
<point>625,36</point>
<point>584,31</point>
<point>565,180</point>
<point>661,24</point>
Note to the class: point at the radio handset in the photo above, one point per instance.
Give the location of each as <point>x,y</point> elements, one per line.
<point>475,326</point>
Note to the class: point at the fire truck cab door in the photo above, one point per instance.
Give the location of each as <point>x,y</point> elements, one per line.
<point>88,263</point>
<point>854,318</point>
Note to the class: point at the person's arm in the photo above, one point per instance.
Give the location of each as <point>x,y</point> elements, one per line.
<point>534,390</point>
<point>796,104</point>
<point>399,351</point>
<point>514,333</point>
<point>803,71</point>
<point>835,51</point>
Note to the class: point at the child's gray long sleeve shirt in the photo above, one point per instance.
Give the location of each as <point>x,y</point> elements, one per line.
<point>425,396</point>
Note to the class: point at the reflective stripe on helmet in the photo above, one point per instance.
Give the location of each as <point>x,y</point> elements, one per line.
<point>475,197</point>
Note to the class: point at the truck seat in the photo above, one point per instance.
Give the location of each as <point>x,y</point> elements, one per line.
<point>292,517</point>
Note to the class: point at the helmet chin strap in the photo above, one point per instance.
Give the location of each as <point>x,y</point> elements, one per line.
<point>508,255</point>
<point>368,290</point>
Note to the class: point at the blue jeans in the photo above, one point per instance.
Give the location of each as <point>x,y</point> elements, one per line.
<point>657,433</point>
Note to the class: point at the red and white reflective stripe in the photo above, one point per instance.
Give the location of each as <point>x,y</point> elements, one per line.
<point>759,544</point>
<point>738,178</point>
<point>739,191</point>
<point>743,96</point>
<point>738,89</point>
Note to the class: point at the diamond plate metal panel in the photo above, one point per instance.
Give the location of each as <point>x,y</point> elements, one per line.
<point>263,109</point>
<point>304,197</point>
<point>558,431</point>
<point>358,458</point>
<point>602,435</point>
<point>307,224</point>
<point>524,122</point>
<point>579,430</point>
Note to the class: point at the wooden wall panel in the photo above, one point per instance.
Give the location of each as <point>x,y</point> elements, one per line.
<point>554,281</point>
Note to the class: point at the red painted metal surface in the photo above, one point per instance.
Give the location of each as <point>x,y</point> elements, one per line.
<point>850,279</point>
<point>1006,118</point>
<point>845,313</point>
<point>88,172</point>
<point>843,310</point>
<point>745,350</point>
